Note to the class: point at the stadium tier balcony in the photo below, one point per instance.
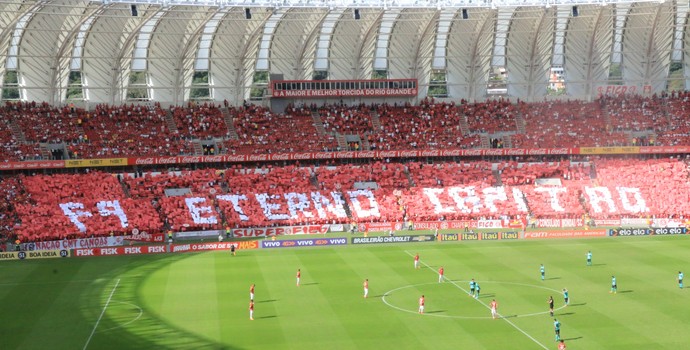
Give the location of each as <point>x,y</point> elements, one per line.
<point>261,131</point>
<point>636,113</point>
<point>429,126</point>
<point>117,131</point>
<point>571,123</point>
<point>41,122</point>
<point>346,120</point>
<point>491,116</point>
<point>200,121</point>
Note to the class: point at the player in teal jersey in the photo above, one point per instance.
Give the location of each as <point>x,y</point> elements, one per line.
<point>589,258</point>
<point>472,286</point>
<point>614,285</point>
<point>557,329</point>
<point>680,279</point>
<point>542,270</point>
<point>476,289</point>
<point>565,297</point>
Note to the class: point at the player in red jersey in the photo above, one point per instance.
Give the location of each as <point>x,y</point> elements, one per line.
<point>561,345</point>
<point>299,275</point>
<point>251,292</point>
<point>416,261</point>
<point>440,275</point>
<point>421,304</point>
<point>494,309</point>
<point>251,310</point>
<point>366,287</point>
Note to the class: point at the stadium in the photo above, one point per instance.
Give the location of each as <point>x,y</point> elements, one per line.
<point>157,155</point>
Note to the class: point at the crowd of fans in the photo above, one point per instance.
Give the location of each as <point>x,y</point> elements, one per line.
<point>129,130</point>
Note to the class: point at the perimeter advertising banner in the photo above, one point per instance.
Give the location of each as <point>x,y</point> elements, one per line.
<point>135,250</point>
<point>199,247</point>
<point>44,254</point>
<point>75,243</point>
<point>566,234</point>
<point>318,242</point>
<point>392,239</point>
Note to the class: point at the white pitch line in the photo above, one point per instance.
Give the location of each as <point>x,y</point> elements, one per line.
<point>102,313</point>
<point>487,306</point>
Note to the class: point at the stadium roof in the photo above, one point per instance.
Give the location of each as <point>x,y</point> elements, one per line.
<point>380,4</point>
<point>164,50</point>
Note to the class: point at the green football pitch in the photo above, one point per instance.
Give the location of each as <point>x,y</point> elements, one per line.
<point>200,300</point>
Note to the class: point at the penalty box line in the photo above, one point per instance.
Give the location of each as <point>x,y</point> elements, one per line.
<point>102,313</point>
<point>481,302</point>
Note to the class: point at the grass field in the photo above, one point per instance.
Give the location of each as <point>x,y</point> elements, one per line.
<point>200,301</point>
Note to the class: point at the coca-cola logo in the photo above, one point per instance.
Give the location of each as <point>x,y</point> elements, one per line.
<point>213,159</point>
<point>515,152</point>
<point>493,152</point>
<point>429,153</point>
<point>366,154</point>
<point>234,158</point>
<point>322,155</point>
<point>453,153</point>
<point>301,156</point>
<point>388,154</point>
<point>472,152</point>
<point>281,156</point>
<point>345,155</point>
<point>536,151</point>
<point>166,160</point>
<point>5,165</point>
<point>408,153</point>
<point>190,160</point>
<point>559,151</point>
<point>254,157</point>
<point>143,161</point>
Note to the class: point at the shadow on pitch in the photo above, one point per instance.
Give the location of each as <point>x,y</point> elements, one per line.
<point>489,295</point>
<point>580,304</point>
<point>598,264</point>
<point>310,284</point>
<point>379,296</point>
<point>626,291</point>
<point>435,311</point>
<point>553,278</point>
<point>267,301</point>
<point>269,316</point>
<point>569,339</point>
<point>566,314</point>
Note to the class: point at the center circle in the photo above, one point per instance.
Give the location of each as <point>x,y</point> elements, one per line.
<point>461,291</point>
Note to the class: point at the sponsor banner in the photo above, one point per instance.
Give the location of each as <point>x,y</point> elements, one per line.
<point>43,254</point>
<point>609,150</point>
<point>83,163</point>
<point>337,228</point>
<point>607,222</point>
<point>75,243</point>
<point>661,222</point>
<point>280,231</point>
<point>199,247</point>
<point>669,231</point>
<point>565,234</point>
<point>303,242</point>
<point>449,237</point>
<point>145,237</point>
<point>185,159</point>
<point>629,231</point>
<point>135,250</point>
<point>617,90</point>
<point>635,222</point>
<point>36,164</point>
<point>510,235</point>
<point>199,234</point>
<point>393,239</point>
<point>664,149</point>
<point>559,222</point>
